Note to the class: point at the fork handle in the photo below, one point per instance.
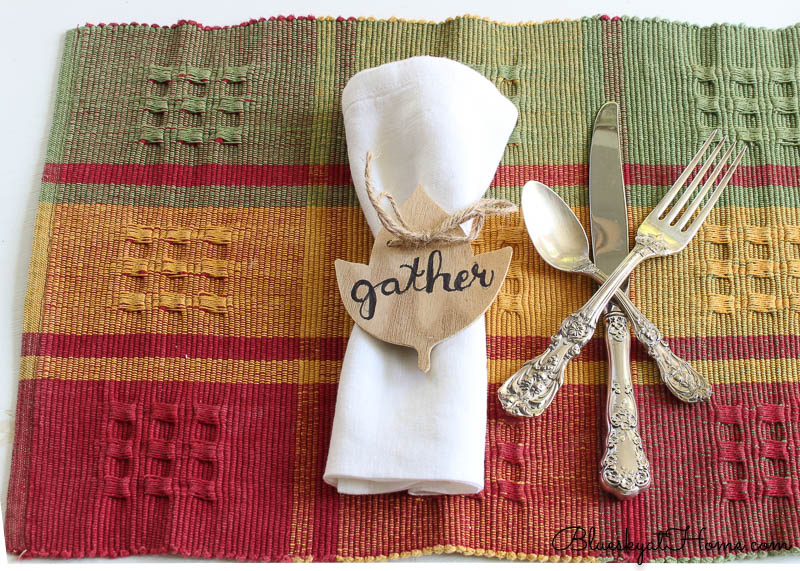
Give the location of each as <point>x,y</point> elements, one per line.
<point>624,469</point>
<point>531,389</point>
<point>681,378</point>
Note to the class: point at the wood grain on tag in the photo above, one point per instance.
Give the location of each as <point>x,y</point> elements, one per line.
<point>419,296</point>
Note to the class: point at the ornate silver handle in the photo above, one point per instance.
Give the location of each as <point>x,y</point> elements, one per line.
<point>624,470</point>
<point>681,378</point>
<point>531,389</point>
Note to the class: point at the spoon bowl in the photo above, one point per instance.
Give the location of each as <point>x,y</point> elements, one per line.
<point>554,229</point>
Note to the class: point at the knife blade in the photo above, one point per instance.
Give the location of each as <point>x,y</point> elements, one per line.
<point>607,206</point>
<point>624,469</point>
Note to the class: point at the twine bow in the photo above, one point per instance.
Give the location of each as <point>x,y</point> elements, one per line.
<point>406,236</point>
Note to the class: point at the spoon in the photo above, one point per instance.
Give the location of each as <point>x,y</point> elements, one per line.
<point>561,241</point>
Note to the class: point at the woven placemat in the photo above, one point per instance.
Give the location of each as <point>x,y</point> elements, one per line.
<point>183,333</point>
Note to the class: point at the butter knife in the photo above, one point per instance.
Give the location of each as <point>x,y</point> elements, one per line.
<point>624,469</point>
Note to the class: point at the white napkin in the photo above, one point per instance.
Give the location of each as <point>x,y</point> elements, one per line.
<point>434,122</point>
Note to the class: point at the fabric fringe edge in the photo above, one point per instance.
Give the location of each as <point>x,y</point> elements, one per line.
<point>433,550</point>
<point>310,17</point>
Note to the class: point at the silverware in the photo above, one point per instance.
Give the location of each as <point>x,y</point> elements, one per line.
<point>566,248</point>
<point>531,389</point>
<point>624,469</point>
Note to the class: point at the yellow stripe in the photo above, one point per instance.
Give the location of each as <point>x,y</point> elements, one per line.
<point>27,368</point>
<point>159,369</point>
<point>733,371</point>
<point>738,277</point>
<point>171,369</point>
<point>688,294</point>
<point>34,298</point>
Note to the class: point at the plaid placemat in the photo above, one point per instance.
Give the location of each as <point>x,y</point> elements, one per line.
<point>183,332</point>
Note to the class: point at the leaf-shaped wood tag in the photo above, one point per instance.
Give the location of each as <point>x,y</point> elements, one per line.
<point>419,296</point>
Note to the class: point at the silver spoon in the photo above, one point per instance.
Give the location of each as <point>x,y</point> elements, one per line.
<point>563,244</point>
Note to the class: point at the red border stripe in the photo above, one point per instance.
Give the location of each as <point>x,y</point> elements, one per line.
<point>339,175</point>
<point>332,348</point>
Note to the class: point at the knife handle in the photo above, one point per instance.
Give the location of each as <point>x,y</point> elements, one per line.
<point>681,378</point>
<point>624,469</point>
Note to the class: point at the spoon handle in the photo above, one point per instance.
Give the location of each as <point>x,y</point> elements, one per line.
<point>624,470</point>
<point>681,378</point>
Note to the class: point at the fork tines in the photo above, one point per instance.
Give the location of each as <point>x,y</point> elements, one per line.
<point>683,222</point>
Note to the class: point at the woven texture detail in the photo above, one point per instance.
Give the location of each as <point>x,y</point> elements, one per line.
<point>183,331</point>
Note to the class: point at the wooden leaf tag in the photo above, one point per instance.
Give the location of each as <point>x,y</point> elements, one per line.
<point>419,296</point>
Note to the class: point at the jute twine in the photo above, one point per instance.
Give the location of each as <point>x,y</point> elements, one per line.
<point>406,236</point>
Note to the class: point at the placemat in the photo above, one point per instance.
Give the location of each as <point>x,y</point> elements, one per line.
<point>183,332</point>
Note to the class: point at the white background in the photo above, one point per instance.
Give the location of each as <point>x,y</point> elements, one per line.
<point>31,41</point>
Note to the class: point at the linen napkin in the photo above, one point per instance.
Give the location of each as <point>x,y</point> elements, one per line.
<point>435,122</point>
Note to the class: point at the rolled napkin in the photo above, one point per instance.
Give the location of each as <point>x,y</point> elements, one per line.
<point>437,123</point>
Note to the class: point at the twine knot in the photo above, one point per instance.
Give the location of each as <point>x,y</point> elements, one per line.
<point>406,236</point>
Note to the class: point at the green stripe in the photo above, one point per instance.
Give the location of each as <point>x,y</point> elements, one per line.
<point>226,197</point>
<point>760,197</point>
<point>291,95</point>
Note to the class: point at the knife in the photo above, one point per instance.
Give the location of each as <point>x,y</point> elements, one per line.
<point>624,469</point>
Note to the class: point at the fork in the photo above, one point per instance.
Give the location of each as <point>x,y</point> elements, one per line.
<point>531,389</point>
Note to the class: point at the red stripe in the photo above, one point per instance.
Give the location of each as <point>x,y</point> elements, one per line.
<point>339,175</point>
<point>184,346</point>
<point>332,348</point>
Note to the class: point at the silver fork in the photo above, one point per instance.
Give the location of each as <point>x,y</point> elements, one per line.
<point>531,389</point>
